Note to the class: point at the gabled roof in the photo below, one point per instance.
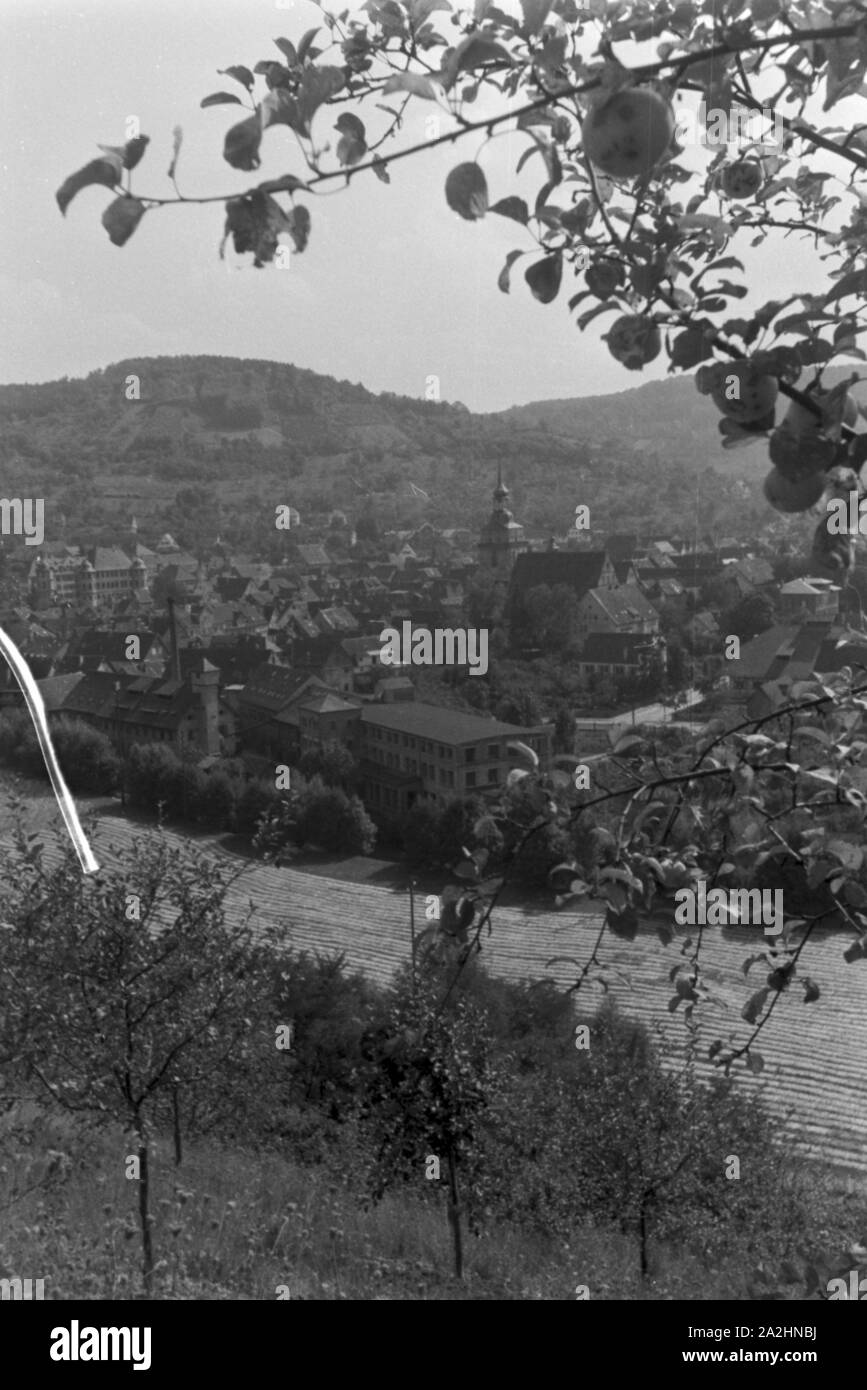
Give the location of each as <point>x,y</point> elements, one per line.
<point>581,570</point>
<point>625,605</point>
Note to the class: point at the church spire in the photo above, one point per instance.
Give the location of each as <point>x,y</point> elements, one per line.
<point>501,492</point>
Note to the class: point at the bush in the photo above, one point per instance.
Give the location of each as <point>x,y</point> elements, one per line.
<point>153,777</point>
<point>420,835</point>
<point>87,757</point>
<point>334,821</point>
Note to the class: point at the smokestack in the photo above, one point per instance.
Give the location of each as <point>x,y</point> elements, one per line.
<point>173,632</point>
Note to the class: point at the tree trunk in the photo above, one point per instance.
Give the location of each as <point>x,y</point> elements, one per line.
<point>176,1125</point>
<point>454,1215</point>
<point>642,1234</point>
<point>144,1209</point>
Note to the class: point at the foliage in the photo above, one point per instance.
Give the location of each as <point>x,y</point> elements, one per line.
<point>655,239</point>
<point>86,756</point>
<point>124,989</point>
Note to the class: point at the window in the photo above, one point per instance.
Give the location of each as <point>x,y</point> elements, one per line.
<point>471,779</point>
<point>494,774</point>
<point>469,755</point>
<point>493,750</point>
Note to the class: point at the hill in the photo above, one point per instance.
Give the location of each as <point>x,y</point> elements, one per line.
<point>126,438</point>
<point>662,417</point>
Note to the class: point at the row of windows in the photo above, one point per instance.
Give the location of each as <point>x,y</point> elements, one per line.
<point>428,746</point>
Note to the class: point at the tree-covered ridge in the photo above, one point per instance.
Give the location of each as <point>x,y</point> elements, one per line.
<point>208,419</point>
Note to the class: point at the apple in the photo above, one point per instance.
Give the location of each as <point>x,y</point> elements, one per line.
<point>743,179</point>
<point>634,340</point>
<point>799,455</point>
<point>832,556</point>
<point>627,133</point>
<point>793,494</point>
<point>742,393</point>
<point>603,278</point>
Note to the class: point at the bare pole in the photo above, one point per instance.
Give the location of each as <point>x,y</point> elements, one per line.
<point>412,885</point>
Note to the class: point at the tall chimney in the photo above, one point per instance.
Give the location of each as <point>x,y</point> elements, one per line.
<point>173,632</point>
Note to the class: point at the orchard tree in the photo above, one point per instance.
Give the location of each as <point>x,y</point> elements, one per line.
<point>123,993</point>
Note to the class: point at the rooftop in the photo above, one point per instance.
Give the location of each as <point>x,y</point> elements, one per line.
<point>444,725</point>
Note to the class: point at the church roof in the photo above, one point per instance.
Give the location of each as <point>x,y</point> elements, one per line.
<point>580,569</point>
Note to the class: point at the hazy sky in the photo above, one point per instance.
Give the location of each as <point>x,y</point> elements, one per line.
<point>393,287</point>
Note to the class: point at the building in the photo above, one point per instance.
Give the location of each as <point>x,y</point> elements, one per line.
<point>618,656</point>
<point>804,599</point>
<point>616,611</point>
<point>100,575</point>
<point>502,537</point>
<point>795,652</point>
<point>186,714</point>
<point>409,750</point>
<point>581,570</point>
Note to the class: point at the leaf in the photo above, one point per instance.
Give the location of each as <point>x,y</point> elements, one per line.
<point>352,146</point>
<point>524,751</point>
<point>754,1005</point>
<point>380,169</point>
<point>535,13</point>
<point>241,146</point>
<point>515,208</point>
<point>621,876</point>
<point>755,1062</point>
<point>475,51</point>
<point>627,742</point>
<point>811,990</point>
<point>544,278</point>
<point>690,347</point>
<point>467,192</point>
<point>240,74</point>
<point>305,42</point>
<point>106,171</point>
<point>287,184</point>
<point>121,218</point>
<point>856,951</point>
<point>288,51</point>
<point>850,856</point>
<point>505,274</point>
<point>413,83</point>
<point>318,85</point>
<point>623,924</point>
<point>221,99</point>
<point>298,227</point>
<point>177,140</point>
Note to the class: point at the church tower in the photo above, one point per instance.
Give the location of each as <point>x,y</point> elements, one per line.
<point>502,537</point>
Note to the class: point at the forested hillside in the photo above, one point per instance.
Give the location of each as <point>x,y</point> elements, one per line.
<point>644,457</point>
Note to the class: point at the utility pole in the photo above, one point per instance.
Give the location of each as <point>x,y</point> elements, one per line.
<point>412,885</point>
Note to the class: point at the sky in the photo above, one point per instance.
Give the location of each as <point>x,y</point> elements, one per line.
<point>393,288</point>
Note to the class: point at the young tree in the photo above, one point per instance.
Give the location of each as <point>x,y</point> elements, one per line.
<point>126,991</point>
<point>430,1081</point>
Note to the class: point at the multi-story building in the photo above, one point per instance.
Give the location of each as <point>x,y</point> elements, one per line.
<point>100,575</point>
<point>411,750</point>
